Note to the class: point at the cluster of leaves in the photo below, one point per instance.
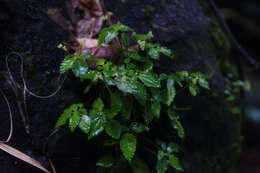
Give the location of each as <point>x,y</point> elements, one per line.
<point>234,86</point>
<point>137,96</point>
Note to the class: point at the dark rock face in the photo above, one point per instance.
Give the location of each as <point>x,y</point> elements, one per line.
<point>213,134</point>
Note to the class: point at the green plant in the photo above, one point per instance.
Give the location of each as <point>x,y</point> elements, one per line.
<point>131,96</point>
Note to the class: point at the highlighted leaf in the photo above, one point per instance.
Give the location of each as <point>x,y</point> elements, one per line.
<point>154,53</point>
<point>128,146</point>
<point>138,127</point>
<point>85,124</point>
<point>66,64</point>
<point>97,125</point>
<point>171,92</point>
<point>156,108</point>
<point>149,79</point>
<point>113,129</point>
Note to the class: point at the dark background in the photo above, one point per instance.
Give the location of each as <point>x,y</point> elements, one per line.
<point>249,10</point>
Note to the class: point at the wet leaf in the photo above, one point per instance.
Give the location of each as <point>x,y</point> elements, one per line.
<point>116,104</point>
<point>156,109</point>
<point>138,127</point>
<point>66,64</point>
<point>149,79</point>
<point>85,124</point>
<point>97,125</point>
<point>154,53</point>
<point>171,92</point>
<point>162,165</point>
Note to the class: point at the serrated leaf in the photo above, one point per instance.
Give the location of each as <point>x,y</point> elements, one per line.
<point>74,120</point>
<point>125,39</point>
<point>63,118</point>
<point>116,105</point>
<point>162,165</point>
<point>106,161</point>
<point>193,90</point>
<point>79,68</point>
<point>177,125</point>
<point>138,127</point>
<point>126,108</point>
<point>142,37</point>
<point>175,163</point>
<point>66,64</point>
<point>97,125</point>
<point>140,93</point>
<point>107,35</point>
<point>126,84</point>
<point>166,51</point>
<point>171,92</point>
<point>98,105</point>
<point>154,53</point>
<point>121,27</point>
<point>128,146</point>
<point>139,166</point>
<point>113,129</point>
<point>203,83</point>
<point>150,79</point>
<point>156,108</point>
<point>85,124</point>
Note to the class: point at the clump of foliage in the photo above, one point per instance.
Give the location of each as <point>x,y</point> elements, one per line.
<point>132,95</point>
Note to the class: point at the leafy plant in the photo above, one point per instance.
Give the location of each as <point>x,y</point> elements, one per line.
<point>137,97</point>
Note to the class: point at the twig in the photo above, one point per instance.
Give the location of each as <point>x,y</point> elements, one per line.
<point>231,36</point>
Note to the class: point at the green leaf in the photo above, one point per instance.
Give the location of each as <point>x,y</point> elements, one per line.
<point>148,115</point>
<point>113,129</point>
<point>106,161</point>
<point>88,87</point>
<point>139,166</point>
<point>126,84</point>
<point>125,39</point>
<point>171,91</point>
<point>67,114</point>
<point>126,108</point>
<point>74,120</point>
<point>66,64</point>
<point>175,163</point>
<point>88,57</point>
<point>162,165</point>
<point>63,118</point>
<point>101,62</point>
<point>121,27</point>
<point>97,125</point>
<point>177,125</point>
<point>138,127</point>
<point>140,93</point>
<point>160,154</point>
<point>98,105</point>
<point>167,52</point>
<point>107,35</point>
<point>116,105</point>
<point>79,68</point>
<point>149,79</point>
<point>128,146</point>
<point>203,83</point>
<point>193,90</point>
<point>142,37</point>
<point>85,124</point>
<point>154,53</point>
<point>173,147</point>
<point>156,109</point>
